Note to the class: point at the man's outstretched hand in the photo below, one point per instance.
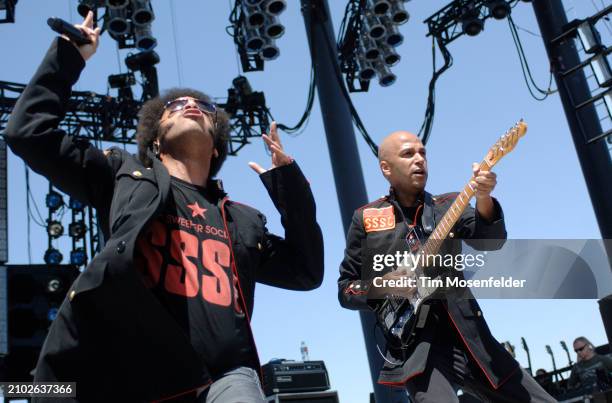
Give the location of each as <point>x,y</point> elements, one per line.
<point>279,158</point>
<point>87,28</point>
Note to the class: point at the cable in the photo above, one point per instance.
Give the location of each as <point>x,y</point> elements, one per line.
<point>356,119</point>
<point>176,45</point>
<point>233,11</point>
<point>426,127</point>
<point>528,77</point>
<point>27,176</point>
<point>37,220</point>
<point>301,124</point>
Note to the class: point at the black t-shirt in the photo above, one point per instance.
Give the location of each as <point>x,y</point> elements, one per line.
<point>185,258</point>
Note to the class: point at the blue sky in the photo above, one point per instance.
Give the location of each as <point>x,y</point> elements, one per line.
<point>541,187</point>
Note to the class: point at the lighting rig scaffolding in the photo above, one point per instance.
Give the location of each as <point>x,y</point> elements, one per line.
<point>7,11</point>
<point>367,40</point>
<point>255,27</point>
<point>596,56</point>
<point>449,23</point>
<point>249,116</point>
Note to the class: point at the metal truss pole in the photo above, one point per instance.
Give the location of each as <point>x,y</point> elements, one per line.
<point>582,118</point>
<point>342,146</point>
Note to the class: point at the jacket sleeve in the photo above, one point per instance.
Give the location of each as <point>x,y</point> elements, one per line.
<point>73,165</point>
<point>480,233</point>
<point>352,289</point>
<point>295,262</point>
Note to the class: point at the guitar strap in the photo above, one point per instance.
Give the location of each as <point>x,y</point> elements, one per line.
<point>428,218</point>
<point>424,311</point>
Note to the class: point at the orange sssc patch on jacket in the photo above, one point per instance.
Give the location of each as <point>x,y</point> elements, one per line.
<point>378,219</point>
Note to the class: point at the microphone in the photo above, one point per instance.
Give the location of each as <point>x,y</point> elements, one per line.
<point>74,34</point>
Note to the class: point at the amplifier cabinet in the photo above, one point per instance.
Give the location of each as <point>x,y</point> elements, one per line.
<point>294,376</point>
<point>305,397</point>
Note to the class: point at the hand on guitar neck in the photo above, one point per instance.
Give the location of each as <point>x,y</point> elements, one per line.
<point>483,183</point>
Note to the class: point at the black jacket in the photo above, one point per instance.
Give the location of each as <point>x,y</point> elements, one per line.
<point>112,336</point>
<point>463,310</point>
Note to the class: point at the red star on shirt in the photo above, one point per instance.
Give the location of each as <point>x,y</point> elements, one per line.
<point>196,210</point>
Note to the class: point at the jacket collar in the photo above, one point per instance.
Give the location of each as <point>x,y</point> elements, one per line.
<point>214,186</point>
<point>428,218</point>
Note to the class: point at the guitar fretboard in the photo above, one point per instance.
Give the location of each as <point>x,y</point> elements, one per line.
<point>434,242</point>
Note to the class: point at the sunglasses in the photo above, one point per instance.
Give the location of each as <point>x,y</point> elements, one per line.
<point>180,103</point>
<point>577,350</point>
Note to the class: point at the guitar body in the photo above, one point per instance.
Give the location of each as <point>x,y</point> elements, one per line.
<point>398,316</point>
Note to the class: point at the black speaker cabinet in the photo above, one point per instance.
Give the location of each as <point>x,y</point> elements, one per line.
<point>305,397</point>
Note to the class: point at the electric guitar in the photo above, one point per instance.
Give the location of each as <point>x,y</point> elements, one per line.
<point>397,316</point>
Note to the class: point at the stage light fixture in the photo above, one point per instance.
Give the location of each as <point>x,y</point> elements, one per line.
<point>379,7</point>
<point>55,229</point>
<point>115,81</point>
<point>242,86</point>
<point>117,4</point>
<point>275,7</point>
<point>54,200</point>
<point>78,257</point>
<point>142,61</point>
<point>385,76</point>
<point>77,229</point>
<point>498,9</point>
<point>370,48</point>
<point>117,21</point>
<point>143,12</point>
<point>393,37</point>
<point>366,71</point>
<point>398,12</point>
<point>253,40</point>
<point>390,56</point>
<point>52,314</point>
<point>73,203</point>
<point>374,27</point>
<point>273,28</point>
<point>269,51</point>
<point>86,6</point>
<point>144,39</point>
<point>54,286</point>
<point>53,256</point>
<point>255,17</point>
<point>471,23</point>
<point>589,37</point>
<point>602,71</point>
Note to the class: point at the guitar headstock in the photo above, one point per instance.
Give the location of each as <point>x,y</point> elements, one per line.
<point>506,143</point>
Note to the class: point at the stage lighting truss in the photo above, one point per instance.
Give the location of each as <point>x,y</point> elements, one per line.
<point>7,11</point>
<point>255,27</point>
<point>595,59</point>
<point>368,37</point>
<point>88,115</point>
<point>81,225</point>
<point>249,116</point>
<point>127,21</point>
<point>78,231</point>
<point>466,17</point>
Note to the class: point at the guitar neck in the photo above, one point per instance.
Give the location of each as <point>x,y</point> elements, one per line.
<point>434,242</point>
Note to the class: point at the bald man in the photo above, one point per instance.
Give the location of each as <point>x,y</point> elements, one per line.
<point>452,346</point>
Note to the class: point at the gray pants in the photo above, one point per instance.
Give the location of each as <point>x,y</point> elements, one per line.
<point>240,385</point>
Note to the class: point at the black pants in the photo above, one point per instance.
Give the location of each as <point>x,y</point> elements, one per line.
<point>450,368</point>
